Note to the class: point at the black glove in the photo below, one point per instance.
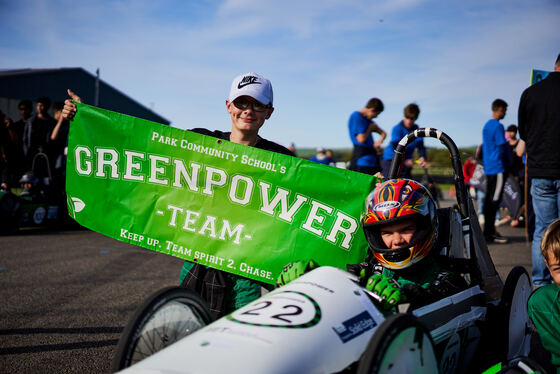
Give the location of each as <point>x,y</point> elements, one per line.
<point>446,284</point>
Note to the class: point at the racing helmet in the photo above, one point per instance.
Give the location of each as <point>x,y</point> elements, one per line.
<point>28,177</point>
<point>28,183</point>
<point>397,200</point>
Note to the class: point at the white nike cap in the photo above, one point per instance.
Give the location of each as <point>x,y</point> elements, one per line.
<point>251,84</point>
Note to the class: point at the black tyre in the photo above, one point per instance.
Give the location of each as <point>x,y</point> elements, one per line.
<point>513,307</point>
<point>400,345</point>
<point>166,316</point>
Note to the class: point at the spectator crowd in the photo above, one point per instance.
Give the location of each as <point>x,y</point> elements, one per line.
<point>32,150</point>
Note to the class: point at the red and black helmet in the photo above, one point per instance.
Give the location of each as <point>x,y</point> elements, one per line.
<point>398,200</point>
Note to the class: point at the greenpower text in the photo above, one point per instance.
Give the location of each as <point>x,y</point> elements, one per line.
<point>142,167</point>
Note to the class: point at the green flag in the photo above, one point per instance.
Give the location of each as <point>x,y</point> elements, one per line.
<point>228,206</point>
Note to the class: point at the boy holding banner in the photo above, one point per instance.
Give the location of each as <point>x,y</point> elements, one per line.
<point>250,104</point>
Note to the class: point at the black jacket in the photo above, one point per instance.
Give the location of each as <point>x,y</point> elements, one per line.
<point>261,143</point>
<point>539,127</point>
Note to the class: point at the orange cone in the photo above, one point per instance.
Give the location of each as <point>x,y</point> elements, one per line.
<point>452,191</point>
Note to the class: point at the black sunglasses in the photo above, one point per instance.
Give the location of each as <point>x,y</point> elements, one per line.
<point>244,103</point>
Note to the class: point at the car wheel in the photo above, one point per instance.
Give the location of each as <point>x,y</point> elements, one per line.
<point>401,344</point>
<point>516,330</point>
<point>166,316</point>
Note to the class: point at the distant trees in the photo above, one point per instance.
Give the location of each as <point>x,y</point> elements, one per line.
<point>437,157</point>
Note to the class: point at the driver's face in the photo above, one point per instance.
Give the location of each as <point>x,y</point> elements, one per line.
<point>396,235</point>
<point>553,265</point>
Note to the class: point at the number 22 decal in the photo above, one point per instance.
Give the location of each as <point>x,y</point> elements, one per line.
<point>289,309</point>
<point>278,316</point>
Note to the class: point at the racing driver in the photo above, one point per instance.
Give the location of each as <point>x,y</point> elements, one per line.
<point>401,228</point>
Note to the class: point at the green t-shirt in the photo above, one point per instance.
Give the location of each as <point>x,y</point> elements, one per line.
<point>544,310</point>
<point>421,274</point>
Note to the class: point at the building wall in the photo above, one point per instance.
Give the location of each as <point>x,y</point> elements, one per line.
<point>33,83</point>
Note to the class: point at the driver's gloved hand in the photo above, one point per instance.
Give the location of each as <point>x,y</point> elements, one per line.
<point>388,289</point>
<point>294,270</point>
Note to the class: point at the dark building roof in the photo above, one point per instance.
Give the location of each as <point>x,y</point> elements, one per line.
<point>33,83</point>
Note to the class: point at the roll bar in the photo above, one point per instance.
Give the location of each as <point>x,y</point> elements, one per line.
<point>398,160</point>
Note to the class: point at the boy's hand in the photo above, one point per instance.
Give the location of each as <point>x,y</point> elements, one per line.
<point>388,289</point>
<point>294,270</point>
<point>69,110</point>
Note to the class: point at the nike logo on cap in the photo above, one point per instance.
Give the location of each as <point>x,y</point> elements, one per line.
<point>247,80</point>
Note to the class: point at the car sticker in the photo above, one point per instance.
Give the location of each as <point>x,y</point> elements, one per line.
<point>355,326</point>
<point>39,215</point>
<point>287,309</point>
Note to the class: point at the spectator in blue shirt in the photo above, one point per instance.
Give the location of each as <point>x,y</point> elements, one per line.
<point>401,129</point>
<point>495,158</point>
<point>365,158</point>
<point>321,157</point>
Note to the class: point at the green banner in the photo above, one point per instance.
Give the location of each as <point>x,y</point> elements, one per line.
<point>235,208</point>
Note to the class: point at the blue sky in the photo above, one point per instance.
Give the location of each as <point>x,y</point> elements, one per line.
<point>325,58</point>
